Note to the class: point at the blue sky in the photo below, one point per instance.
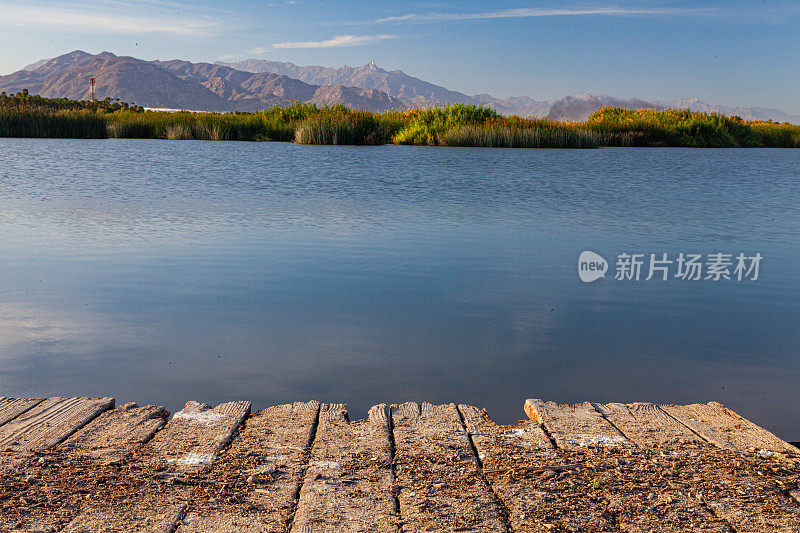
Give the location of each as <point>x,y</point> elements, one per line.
<point>731,53</point>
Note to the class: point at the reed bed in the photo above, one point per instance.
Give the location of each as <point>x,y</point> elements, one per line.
<point>57,124</point>
<point>477,126</point>
<point>198,126</point>
<point>24,115</point>
<point>497,136</point>
<point>361,127</point>
<point>681,127</point>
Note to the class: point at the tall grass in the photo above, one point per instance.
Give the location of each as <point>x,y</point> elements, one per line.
<point>57,124</point>
<point>200,126</point>
<point>504,136</point>
<point>681,127</point>
<point>23,115</point>
<point>358,127</point>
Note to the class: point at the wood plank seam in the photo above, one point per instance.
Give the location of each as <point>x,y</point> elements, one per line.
<point>612,424</point>
<point>115,434</point>
<point>55,417</point>
<point>562,418</point>
<point>64,405</point>
<point>549,435</point>
<point>438,475</point>
<point>179,516</point>
<point>269,452</point>
<point>349,485</point>
<point>547,432</point>
<point>687,427</point>
<point>504,512</point>
<point>306,461</point>
<point>150,437</point>
<point>33,403</point>
<point>392,457</point>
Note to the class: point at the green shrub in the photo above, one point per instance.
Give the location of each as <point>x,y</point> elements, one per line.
<point>427,126</point>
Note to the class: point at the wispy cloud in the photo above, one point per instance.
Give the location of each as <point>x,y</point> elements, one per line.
<point>113,21</point>
<point>336,42</point>
<point>536,12</point>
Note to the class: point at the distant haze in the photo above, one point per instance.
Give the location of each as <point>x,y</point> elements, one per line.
<point>255,84</point>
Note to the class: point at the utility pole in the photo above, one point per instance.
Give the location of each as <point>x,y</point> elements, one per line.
<point>91,88</point>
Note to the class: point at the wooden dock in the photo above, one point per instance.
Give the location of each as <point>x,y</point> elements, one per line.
<point>80,465</point>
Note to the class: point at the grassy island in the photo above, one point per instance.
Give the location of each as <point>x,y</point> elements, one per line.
<point>24,115</point>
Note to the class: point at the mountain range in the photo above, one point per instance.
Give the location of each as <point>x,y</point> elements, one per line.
<point>256,84</point>
<point>180,84</point>
<point>415,92</point>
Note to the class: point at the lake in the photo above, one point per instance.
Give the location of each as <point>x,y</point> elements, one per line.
<point>163,271</point>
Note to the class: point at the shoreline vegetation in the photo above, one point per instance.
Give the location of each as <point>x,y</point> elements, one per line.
<point>24,115</point>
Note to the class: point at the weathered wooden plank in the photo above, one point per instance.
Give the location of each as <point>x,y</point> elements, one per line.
<point>574,426</point>
<point>441,487</point>
<point>196,433</point>
<point>516,458</point>
<point>50,422</point>
<point>187,445</point>
<point>645,424</point>
<point>349,485</point>
<point>262,468</point>
<point>10,408</point>
<point>112,436</point>
<point>726,429</point>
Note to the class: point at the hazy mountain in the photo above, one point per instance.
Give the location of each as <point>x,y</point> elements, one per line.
<point>179,84</point>
<point>748,113</point>
<point>257,84</point>
<point>578,107</point>
<point>370,76</point>
<point>413,92</point>
<point>420,93</point>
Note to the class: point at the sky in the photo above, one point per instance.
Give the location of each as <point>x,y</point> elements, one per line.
<point>727,52</point>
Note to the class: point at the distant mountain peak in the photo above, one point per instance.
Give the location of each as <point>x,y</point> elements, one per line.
<point>412,91</point>
<point>178,84</point>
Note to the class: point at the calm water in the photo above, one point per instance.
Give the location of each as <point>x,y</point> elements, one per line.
<point>163,271</point>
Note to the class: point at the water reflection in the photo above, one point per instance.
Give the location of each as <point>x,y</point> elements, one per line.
<point>161,272</point>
